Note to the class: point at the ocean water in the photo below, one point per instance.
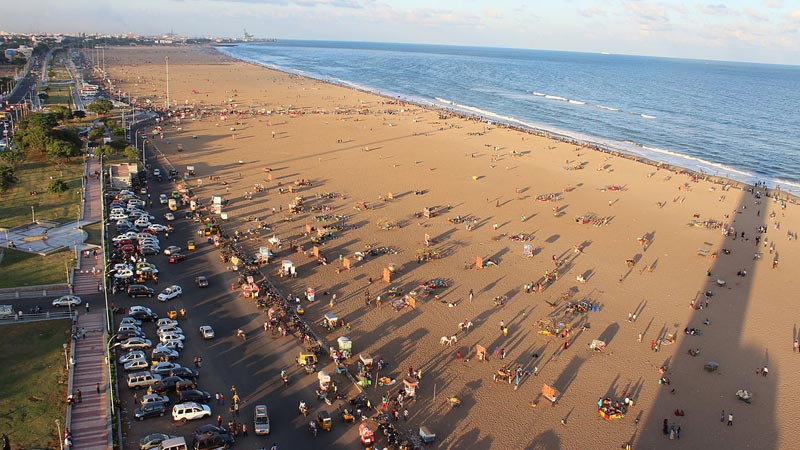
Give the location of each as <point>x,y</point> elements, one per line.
<point>730,119</point>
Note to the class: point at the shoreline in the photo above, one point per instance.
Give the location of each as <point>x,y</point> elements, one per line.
<point>259,138</point>
<point>792,196</point>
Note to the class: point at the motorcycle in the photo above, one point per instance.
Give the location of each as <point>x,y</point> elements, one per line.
<point>285,379</point>
<point>240,334</point>
<point>303,409</point>
<point>312,427</point>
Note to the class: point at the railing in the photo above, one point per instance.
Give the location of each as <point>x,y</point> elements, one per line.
<point>44,290</point>
<point>38,317</point>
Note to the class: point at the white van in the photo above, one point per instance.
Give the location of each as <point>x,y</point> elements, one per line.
<point>178,443</point>
<point>138,380</point>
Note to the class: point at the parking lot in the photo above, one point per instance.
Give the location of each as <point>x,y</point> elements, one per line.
<point>252,366</point>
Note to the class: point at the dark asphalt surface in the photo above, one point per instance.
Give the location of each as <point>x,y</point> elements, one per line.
<point>253,366</point>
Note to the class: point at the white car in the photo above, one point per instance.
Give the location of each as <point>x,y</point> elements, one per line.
<point>172,344</point>
<point>163,199</point>
<point>130,321</point>
<point>207,332</point>
<point>118,216</point>
<point>132,356</point>
<point>121,223</point>
<point>172,249</point>
<point>128,235</point>
<point>124,273</point>
<point>67,300</point>
<point>138,308</point>
<point>166,322</point>
<point>128,327</point>
<point>154,398</point>
<point>156,172</point>
<point>142,222</point>
<point>169,329</point>
<point>169,293</point>
<point>169,217</point>
<point>183,412</point>
<point>157,227</point>
<point>136,365</point>
<point>166,337</point>
<point>135,343</point>
<point>163,368</point>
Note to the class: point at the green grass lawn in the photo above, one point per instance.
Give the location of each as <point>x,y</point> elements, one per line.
<point>59,95</point>
<point>93,232</point>
<point>15,209</point>
<point>26,269</point>
<point>33,382</point>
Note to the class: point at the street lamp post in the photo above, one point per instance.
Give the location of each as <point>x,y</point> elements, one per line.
<point>33,214</point>
<point>60,438</point>
<point>109,362</point>
<point>66,356</point>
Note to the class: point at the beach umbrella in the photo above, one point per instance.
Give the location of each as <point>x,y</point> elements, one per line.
<point>711,366</point>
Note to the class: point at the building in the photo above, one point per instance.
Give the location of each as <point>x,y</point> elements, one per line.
<point>122,175</point>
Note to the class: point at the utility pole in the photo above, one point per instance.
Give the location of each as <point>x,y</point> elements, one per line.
<point>167,59</point>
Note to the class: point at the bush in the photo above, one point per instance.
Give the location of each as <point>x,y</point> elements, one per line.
<point>57,186</point>
<point>95,134</point>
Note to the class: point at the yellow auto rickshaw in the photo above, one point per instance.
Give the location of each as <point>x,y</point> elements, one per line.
<point>306,359</point>
<point>190,244</point>
<point>324,420</point>
<point>172,314</point>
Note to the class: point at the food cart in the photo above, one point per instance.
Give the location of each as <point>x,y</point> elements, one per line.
<point>410,386</point>
<point>426,434</point>
<point>366,361</point>
<point>345,346</point>
<point>329,321</point>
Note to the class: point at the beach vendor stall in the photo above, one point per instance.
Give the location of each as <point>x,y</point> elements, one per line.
<point>426,434</point>
<point>288,269</point>
<point>611,409</point>
<point>410,386</point>
<point>330,321</point>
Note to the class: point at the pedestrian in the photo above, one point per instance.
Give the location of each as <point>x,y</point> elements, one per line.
<point>796,345</point>
<point>219,421</point>
<point>244,430</point>
<point>633,318</point>
<point>730,419</point>
<point>98,388</point>
<point>135,395</point>
<point>640,337</point>
<point>502,325</point>
<point>236,409</point>
<point>216,397</point>
<point>764,373</point>
<point>87,307</point>
<point>502,353</point>
<point>459,356</point>
<point>722,416</point>
<point>630,316</point>
<point>79,394</point>
<point>405,415</point>
<point>505,331</point>
<point>471,294</point>
<point>536,371</point>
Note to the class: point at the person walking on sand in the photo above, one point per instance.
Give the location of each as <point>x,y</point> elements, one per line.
<point>796,345</point>
<point>730,419</point>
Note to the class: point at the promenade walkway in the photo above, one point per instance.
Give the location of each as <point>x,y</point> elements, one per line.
<point>89,424</point>
<point>86,279</point>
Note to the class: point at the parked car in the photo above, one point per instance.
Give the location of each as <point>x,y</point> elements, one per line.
<point>136,365</point>
<point>183,412</point>
<point>155,409</point>
<point>150,250</point>
<point>154,398</point>
<point>201,281</point>
<point>174,344</point>
<point>67,300</point>
<point>125,335</point>
<point>166,322</point>
<point>152,441</point>
<point>165,353</point>
<point>132,356</point>
<point>130,321</point>
<point>147,316</point>
<point>170,293</point>
<point>186,373</point>
<point>207,332</point>
<point>169,329</point>
<point>194,395</point>
<point>164,368</point>
<point>213,430</point>
<point>170,384</point>
<point>135,343</point>
<point>166,337</point>
<point>140,290</point>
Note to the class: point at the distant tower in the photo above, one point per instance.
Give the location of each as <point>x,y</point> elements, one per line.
<point>247,37</point>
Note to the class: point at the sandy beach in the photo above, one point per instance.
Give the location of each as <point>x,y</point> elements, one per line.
<point>626,238</point>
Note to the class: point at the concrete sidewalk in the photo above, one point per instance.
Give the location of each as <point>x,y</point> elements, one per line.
<point>90,417</point>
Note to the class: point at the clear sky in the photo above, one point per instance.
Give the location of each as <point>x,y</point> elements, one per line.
<point>737,30</point>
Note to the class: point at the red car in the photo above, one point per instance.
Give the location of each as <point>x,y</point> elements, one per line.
<point>128,248</point>
<point>148,231</point>
<point>123,242</point>
<point>176,257</point>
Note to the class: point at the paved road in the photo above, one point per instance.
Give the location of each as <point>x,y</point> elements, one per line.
<point>252,366</point>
